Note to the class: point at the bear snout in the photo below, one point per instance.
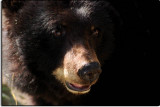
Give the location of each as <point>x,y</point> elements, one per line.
<point>81,68</point>
<point>90,72</point>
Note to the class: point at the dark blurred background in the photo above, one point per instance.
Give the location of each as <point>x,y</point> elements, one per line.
<point>129,78</point>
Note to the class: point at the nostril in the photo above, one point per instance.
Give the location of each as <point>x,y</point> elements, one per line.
<point>91,76</point>
<point>90,72</point>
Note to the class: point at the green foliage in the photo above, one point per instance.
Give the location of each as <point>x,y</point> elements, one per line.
<point>7,98</point>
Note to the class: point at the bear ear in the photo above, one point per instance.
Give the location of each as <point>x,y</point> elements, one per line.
<point>12,5</point>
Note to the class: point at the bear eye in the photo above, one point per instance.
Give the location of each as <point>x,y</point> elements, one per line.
<point>59,31</point>
<point>95,31</point>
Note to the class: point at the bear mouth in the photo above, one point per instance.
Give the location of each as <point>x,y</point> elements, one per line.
<point>77,88</point>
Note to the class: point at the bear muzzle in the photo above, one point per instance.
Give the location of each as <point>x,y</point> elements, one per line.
<point>81,69</point>
<point>89,73</point>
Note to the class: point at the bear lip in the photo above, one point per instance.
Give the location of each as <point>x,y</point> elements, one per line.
<point>77,87</point>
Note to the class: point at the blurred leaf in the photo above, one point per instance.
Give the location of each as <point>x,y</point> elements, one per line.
<point>7,98</point>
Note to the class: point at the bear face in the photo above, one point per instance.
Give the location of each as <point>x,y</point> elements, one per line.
<point>67,40</point>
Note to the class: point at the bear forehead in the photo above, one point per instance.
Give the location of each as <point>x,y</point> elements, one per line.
<point>85,9</point>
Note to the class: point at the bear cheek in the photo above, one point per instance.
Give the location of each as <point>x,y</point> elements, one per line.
<point>59,74</point>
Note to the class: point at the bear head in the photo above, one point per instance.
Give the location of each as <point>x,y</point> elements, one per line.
<point>68,39</point>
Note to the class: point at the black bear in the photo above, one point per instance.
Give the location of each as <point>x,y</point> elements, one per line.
<point>53,49</point>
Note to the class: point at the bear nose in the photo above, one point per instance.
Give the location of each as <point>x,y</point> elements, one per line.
<point>90,72</point>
